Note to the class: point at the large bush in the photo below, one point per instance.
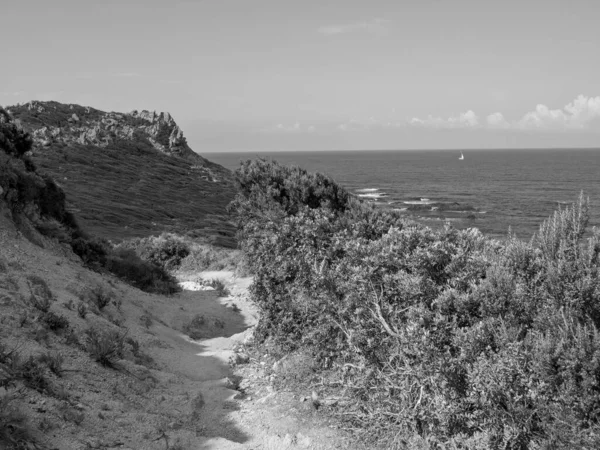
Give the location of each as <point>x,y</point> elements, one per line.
<point>440,338</point>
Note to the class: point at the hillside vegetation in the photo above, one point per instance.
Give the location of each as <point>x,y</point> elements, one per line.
<point>37,206</point>
<point>129,175</point>
<point>425,338</point>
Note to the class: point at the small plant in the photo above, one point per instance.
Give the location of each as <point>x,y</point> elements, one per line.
<point>117,302</point>
<point>69,305</point>
<point>72,339</point>
<point>54,322</point>
<point>40,303</point>
<point>82,310</point>
<point>45,425</point>
<point>53,361</point>
<point>146,320</point>
<point>193,328</point>
<point>33,374</point>
<point>71,414</point>
<point>101,297</point>
<point>105,347</point>
<point>135,346</point>
<point>13,429</point>
<point>41,335</point>
<point>39,287</point>
<point>219,287</point>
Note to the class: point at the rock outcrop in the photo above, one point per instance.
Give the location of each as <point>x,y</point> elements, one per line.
<point>52,122</point>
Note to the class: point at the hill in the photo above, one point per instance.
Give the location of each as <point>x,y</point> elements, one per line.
<point>128,175</point>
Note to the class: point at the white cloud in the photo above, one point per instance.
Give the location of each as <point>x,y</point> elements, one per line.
<point>467,119</point>
<point>375,26</point>
<point>293,128</point>
<point>581,113</point>
<point>497,120</point>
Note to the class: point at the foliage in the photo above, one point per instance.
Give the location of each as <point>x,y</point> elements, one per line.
<point>13,140</point>
<point>54,322</point>
<point>438,336</point>
<point>105,347</point>
<point>146,276</point>
<point>13,423</point>
<point>100,296</point>
<point>219,287</point>
<point>165,251</point>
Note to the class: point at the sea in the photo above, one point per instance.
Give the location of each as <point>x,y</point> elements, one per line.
<point>492,190</point>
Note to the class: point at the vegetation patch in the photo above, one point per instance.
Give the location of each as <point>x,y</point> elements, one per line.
<point>105,347</point>
<point>219,287</point>
<point>429,338</point>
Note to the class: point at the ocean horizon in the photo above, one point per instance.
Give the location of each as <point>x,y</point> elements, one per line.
<point>492,190</point>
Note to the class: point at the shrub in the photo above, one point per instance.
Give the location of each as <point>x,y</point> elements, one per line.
<point>165,251</point>
<point>100,297</point>
<point>219,287</point>
<point>437,336</point>
<point>194,329</point>
<point>53,361</point>
<point>53,229</point>
<point>13,140</point>
<point>54,322</point>
<point>33,374</point>
<point>143,275</point>
<point>41,296</point>
<point>146,320</point>
<point>105,347</point>
<point>92,252</point>
<point>81,310</point>
<point>14,432</point>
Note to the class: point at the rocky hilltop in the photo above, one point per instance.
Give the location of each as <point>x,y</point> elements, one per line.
<point>51,123</point>
<point>128,174</point>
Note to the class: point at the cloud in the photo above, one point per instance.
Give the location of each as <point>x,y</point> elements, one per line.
<point>467,119</point>
<point>375,26</point>
<point>581,113</point>
<point>497,120</point>
<point>294,128</point>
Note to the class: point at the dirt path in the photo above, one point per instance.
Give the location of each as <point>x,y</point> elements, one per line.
<point>258,417</point>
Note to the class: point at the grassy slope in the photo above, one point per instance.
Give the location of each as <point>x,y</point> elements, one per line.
<point>129,189</point>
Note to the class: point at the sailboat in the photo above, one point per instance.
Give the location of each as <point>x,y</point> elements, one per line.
<point>461,156</point>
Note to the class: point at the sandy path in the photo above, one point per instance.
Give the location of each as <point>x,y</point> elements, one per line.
<point>260,418</point>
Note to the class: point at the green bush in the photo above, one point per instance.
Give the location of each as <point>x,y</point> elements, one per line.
<point>443,337</point>
<point>146,276</point>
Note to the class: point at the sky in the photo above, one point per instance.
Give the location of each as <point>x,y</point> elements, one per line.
<point>269,75</point>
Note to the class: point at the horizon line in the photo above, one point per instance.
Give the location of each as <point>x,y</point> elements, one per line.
<point>457,149</point>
